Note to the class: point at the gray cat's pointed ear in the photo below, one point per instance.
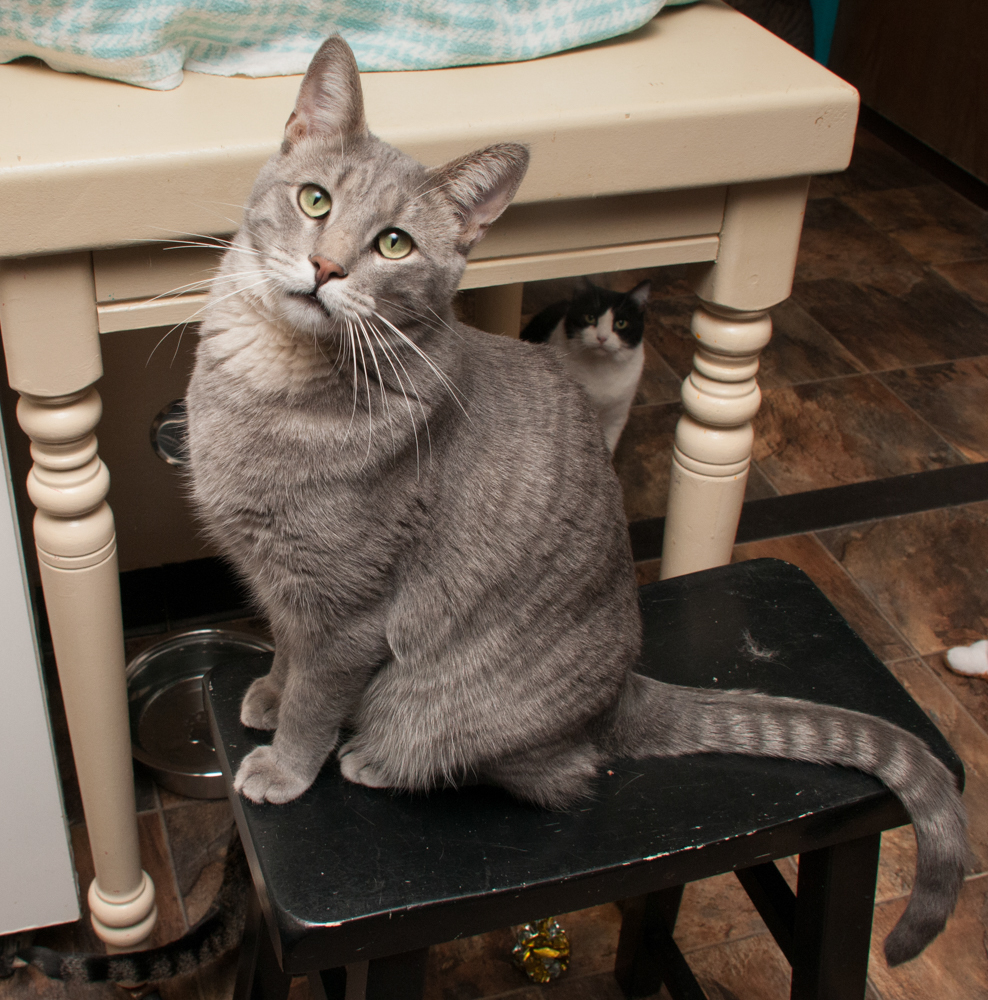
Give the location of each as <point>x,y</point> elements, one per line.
<point>330,102</point>
<point>480,186</point>
<point>640,293</point>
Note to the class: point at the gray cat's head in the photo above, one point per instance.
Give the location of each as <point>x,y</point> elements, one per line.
<point>342,229</point>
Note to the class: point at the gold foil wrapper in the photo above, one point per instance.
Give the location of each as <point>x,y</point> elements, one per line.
<point>542,950</point>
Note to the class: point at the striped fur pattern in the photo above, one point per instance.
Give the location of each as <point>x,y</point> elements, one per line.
<point>655,719</point>
<point>428,516</point>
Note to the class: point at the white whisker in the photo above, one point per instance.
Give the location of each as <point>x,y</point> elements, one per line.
<point>385,405</point>
<point>390,352</point>
<point>447,384</point>
<point>370,405</point>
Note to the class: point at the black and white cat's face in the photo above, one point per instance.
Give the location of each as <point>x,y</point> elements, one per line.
<point>345,235</point>
<point>609,324</point>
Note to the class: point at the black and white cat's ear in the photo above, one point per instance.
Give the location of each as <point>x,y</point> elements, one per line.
<point>330,102</point>
<point>639,294</point>
<point>481,185</point>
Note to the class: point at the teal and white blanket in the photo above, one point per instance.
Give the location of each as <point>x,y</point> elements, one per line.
<point>148,42</point>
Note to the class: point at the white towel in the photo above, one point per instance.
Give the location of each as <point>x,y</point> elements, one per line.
<point>148,42</point>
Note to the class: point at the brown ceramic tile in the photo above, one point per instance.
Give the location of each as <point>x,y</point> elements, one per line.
<point>953,967</point>
<point>952,398</point>
<point>752,968</point>
<point>925,572</point>
<point>659,383</point>
<point>896,864</point>
<point>875,166</point>
<point>965,736</point>
<point>801,350</point>
<point>838,243</point>
<point>969,277</point>
<point>933,223</point>
<point>928,322</point>
<point>481,966</point>
<point>758,486</point>
<point>667,329</point>
<point>971,692</point>
<point>642,459</point>
<point>600,987</point>
<point>713,911</point>
<point>472,967</point>
<point>156,861</point>
<point>806,552</point>
<point>842,431</point>
<point>199,835</point>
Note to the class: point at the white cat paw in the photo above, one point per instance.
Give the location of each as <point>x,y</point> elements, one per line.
<point>353,768</point>
<point>259,709</point>
<point>262,777</point>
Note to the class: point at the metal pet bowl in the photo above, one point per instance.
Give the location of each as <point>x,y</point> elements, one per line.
<point>169,730</point>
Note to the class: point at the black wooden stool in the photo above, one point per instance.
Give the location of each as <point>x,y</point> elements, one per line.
<point>347,873</point>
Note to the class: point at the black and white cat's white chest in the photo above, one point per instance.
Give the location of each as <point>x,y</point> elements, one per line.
<point>599,335</point>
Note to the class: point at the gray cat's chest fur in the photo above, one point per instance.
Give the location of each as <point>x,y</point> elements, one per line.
<point>452,550</point>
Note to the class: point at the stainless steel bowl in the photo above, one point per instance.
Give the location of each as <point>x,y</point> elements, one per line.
<point>169,730</point>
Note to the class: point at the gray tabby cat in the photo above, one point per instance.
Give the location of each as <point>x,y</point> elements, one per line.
<point>428,516</point>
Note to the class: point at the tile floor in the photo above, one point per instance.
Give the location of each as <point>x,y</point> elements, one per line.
<point>878,367</point>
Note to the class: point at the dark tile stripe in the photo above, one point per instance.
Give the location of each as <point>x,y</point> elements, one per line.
<point>816,510</point>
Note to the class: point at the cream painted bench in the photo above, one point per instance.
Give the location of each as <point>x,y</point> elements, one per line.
<point>690,141</point>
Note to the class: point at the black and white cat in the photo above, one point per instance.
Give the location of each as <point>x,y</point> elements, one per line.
<point>599,335</point>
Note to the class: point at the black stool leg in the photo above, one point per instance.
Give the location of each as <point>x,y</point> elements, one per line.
<point>259,976</point>
<point>835,900</point>
<point>329,984</point>
<point>636,969</point>
<point>397,977</point>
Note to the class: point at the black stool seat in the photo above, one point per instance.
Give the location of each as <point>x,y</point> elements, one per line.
<point>347,873</point>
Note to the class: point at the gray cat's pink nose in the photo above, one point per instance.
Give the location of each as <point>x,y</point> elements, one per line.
<point>326,269</point>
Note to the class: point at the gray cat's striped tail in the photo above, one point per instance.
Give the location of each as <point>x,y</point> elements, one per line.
<point>662,720</point>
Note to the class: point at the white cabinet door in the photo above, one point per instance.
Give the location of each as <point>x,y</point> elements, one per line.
<point>37,880</point>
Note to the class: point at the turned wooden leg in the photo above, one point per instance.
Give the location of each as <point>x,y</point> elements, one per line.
<point>48,314</point>
<point>759,240</point>
<point>714,438</point>
<point>497,309</point>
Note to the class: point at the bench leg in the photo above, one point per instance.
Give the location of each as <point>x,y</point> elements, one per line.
<point>259,976</point>
<point>635,968</point>
<point>714,438</point>
<point>397,977</point>
<point>51,344</point>
<point>835,899</point>
<point>759,240</point>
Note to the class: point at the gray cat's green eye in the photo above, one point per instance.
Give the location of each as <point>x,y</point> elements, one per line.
<point>620,324</point>
<point>590,319</point>
<point>315,202</point>
<point>394,244</point>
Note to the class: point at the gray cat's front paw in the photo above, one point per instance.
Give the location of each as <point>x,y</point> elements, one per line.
<point>262,777</point>
<point>354,767</point>
<point>259,709</point>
